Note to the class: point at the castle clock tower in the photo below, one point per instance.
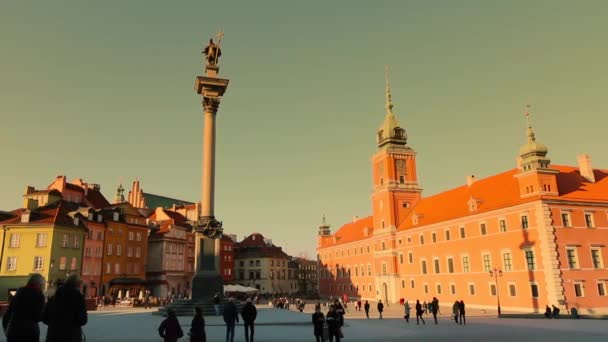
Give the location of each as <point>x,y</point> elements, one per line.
<point>396,187</point>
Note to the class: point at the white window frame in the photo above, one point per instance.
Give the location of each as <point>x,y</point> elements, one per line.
<point>63,261</point>
<point>569,218</point>
<point>41,239</point>
<point>582,285</point>
<point>447,264</point>
<point>601,283</point>
<point>483,261</point>
<point>601,258</point>
<point>423,270</point>
<point>462,232</point>
<point>500,227</point>
<point>469,289</point>
<point>436,265</point>
<point>468,263</point>
<point>11,263</point>
<point>526,250</point>
<point>504,265</point>
<point>118,250</point>
<point>592,216</point>
<point>14,240</point>
<point>577,264</point>
<point>109,252</point>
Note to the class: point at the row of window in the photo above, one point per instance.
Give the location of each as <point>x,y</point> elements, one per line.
<point>589,219</point>
<point>132,268</point>
<point>67,240</point>
<point>486,259</point>
<point>573,261</point>
<point>38,264</point>
<point>119,250</point>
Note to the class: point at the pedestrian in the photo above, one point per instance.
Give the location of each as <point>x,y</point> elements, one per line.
<point>333,324</point>
<point>216,304</point>
<point>366,308</point>
<point>359,305</point>
<point>380,308</point>
<point>231,317</point>
<point>147,300</point>
<point>249,313</point>
<point>66,313</point>
<point>547,311</point>
<point>462,318</point>
<point>197,328</point>
<point>318,320</point>
<point>419,312</point>
<point>20,321</point>
<point>425,307</point>
<point>555,312</point>
<point>169,329</point>
<point>406,310</point>
<point>455,311</point>
<point>435,308</point>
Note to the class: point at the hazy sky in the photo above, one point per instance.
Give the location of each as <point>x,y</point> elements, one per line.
<point>104,91</point>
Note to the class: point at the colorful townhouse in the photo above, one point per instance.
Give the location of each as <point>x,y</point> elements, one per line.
<point>44,239</point>
<point>527,237</point>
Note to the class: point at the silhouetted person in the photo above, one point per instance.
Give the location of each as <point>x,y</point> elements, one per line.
<point>455,313</point>
<point>380,308</point>
<point>197,328</point>
<point>435,308</point>
<point>231,317</point>
<point>419,313</point>
<point>333,324</point>
<point>318,320</point>
<point>249,314</point>
<point>406,310</point>
<point>555,312</point>
<point>462,318</point>
<point>366,307</point>
<point>66,312</point>
<point>20,321</point>
<point>169,328</point>
<point>216,304</point>
<point>547,311</point>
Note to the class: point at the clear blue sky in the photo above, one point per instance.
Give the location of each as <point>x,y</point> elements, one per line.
<point>104,91</point>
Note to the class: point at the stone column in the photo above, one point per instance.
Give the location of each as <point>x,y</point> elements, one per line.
<point>210,106</point>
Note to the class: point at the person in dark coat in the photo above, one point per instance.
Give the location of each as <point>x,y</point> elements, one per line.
<point>435,308</point>
<point>20,321</point>
<point>318,320</point>
<point>333,324</point>
<point>66,313</point>
<point>419,312</point>
<point>366,307</point>
<point>462,318</point>
<point>249,314</point>
<point>231,317</point>
<point>380,308</point>
<point>547,312</point>
<point>555,313</point>
<point>197,329</point>
<point>169,328</point>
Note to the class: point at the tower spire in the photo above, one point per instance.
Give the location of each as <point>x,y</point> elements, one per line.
<point>389,98</point>
<point>530,131</point>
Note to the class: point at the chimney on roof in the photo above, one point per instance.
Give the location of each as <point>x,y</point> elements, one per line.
<point>585,168</point>
<point>470,180</point>
<point>355,219</point>
<point>29,189</point>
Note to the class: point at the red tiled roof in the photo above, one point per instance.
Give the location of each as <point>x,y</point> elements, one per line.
<point>96,199</point>
<point>56,213</point>
<point>494,192</point>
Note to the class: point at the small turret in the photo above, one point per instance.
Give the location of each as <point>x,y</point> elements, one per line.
<point>120,195</point>
<point>324,228</point>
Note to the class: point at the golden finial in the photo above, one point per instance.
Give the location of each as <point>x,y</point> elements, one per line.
<point>530,130</point>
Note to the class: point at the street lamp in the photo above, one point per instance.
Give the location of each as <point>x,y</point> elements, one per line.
<point>496,273</point>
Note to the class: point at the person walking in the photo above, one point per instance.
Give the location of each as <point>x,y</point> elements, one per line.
<point>216,304</point>
<point>435,308</point>
<point>147,300</point>
<point>419,313</point>
<point>66,313</point>
<point>318,320</point>
<point>406,310</point>
<point>249,313</point>
<point>455,311</point>
<point>425,307</point>
<point>169,329</point>
<point>197,328</point>
<point>380,308</point>
<point>366,308</point>
<point>20,321</point>
<point>333,324</point>
<point>231,317</point>
<point>462,318</point>
<point>359,305</point>
<point>547,312</point>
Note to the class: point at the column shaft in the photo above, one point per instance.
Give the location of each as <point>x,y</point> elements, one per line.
<point>208,181</point>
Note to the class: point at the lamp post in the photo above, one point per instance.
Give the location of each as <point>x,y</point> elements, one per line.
<point>496,273</point>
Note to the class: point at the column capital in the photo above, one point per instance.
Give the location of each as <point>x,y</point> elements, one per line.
<point>211,104</point>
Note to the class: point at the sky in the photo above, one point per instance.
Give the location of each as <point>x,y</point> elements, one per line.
<point>103,91</point>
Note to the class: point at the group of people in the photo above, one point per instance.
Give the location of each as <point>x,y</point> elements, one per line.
<point>334,320</point>
<point>551,313</point>
<point>64,312</point>
<point>170,329</point>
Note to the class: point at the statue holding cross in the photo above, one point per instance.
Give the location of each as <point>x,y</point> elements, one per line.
<point>212,51</point>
